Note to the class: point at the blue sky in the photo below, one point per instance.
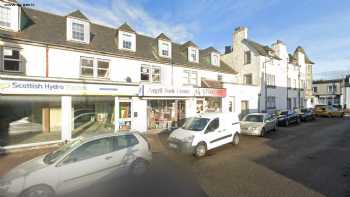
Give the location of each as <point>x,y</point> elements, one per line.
<point>320,26</point>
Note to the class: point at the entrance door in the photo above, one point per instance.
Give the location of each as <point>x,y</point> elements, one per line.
<point>124,115</point>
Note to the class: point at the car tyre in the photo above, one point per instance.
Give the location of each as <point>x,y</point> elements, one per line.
<point>200,150</point>
<point>38,191</point>
<point>138,167</point>
<point>262,133</point>
<point>235,140</point>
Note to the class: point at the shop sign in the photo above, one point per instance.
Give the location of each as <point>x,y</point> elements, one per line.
<point>152,90</point>
<point>62,88</point>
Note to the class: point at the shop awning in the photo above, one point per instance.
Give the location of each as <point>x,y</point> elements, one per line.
<point>211,83</point>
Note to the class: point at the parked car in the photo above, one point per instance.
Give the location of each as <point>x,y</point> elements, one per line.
<point>306,114</point>
<point>205,132</point>
<point>77,165</point>
<point>258,124</point>
<point>287,117</point>
<point>328,111</point>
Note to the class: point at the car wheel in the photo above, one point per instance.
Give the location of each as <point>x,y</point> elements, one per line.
<point>235,140</point>
<point>200,150</point>
<point>138,167</point>
<point>38,191</point>
<point>262,133</point>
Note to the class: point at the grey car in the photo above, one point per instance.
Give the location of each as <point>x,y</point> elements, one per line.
<point>258,124</point>
<point>78,164</point>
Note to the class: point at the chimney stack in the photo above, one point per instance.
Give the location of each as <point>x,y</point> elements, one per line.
<point>280,49</point>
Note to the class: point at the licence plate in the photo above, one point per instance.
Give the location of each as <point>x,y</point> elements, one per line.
<point>173,145</point>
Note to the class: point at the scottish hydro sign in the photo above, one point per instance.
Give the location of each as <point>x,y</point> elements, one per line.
<point>157,90</point>
<point>62,88</point>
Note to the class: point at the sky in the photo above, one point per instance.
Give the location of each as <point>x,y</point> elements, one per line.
<point>321,27</point>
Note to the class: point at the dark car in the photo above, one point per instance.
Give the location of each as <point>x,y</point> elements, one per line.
<point>307,115</point>
<point>288,117</point>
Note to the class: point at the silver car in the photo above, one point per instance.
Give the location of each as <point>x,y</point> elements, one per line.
<point>258,124</point>
<point>78,164</point>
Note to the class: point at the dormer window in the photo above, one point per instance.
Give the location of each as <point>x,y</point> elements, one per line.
<point>193,55</point>
<point>164,48</point>
<point>5,13</point>
<point>215,59</point>
<point>127,41</point>
<point>78,27</point>
<point>78,31</point>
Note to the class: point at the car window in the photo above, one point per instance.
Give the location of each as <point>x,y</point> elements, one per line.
<point>254,118</point>
<point>90,149</point>
<point>213,125</point>
<point>124,141</point>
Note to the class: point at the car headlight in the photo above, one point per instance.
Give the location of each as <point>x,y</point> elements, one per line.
<point>188,139</point>
<point>253,128</point>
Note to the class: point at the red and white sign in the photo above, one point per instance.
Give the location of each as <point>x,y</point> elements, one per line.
<point>158,90</point>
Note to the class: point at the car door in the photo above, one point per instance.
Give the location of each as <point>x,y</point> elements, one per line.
<point>85,165</point>
<point>268,123</point>
<point>214,134</point>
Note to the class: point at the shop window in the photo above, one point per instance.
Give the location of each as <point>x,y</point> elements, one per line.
<point>200,106</point>
<point>12,60</point>
<point>213,104</point>
<point>150,73</point>
<point>92,115</point>
<point>29,119</point>
<point>125,116</point>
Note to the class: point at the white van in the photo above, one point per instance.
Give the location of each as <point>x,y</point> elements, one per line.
<point>205,132</point>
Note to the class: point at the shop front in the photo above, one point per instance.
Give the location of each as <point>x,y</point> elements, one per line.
<point>40,111</point>
<point>168,107</point>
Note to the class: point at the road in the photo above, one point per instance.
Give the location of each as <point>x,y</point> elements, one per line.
<point>310,159</point>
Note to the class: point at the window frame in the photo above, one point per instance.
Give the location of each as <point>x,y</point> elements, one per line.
<point>8,10</point>
<point>151,73</point>
<point>245,79</point>
<point>188,77</point>
<point>106,69</point>
<point>125,39</point>
<point>19,60</point>
<point>164,46</point>
<point>83,30</point>
<point>95,68</point>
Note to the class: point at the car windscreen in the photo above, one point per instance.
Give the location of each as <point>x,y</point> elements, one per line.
<point>304,110</point>
<point>195,124</point>
<point>254,118</point>
<point>55,155</point>
<point>284,113</point>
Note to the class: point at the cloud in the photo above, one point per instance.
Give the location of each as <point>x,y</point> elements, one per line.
<point>115,13</point>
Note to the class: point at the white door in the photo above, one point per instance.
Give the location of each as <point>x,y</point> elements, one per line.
<point>85,165</point>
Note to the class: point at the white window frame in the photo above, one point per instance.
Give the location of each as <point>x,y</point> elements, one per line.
<point>164,46</point>
<point>86,30</point>
<point>95,68</point>
<point>215,59</point>
<point>19,60</point>
<point>189,79</point>
<point>5,21</point>
<point>151,73</point>
<point>127,37</point>
<point>80,31</point>
<point>193,54</point>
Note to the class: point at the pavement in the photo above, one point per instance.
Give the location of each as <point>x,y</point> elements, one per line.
<point>310,159</point>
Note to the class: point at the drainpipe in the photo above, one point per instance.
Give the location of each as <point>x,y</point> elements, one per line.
<point>47,62</point>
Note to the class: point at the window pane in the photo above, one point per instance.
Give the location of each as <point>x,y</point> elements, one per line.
<point>103,68</point>
<point>103,64</point>
<point>87,71</point>
<point>124,110</point>
<point>93,149</point>
<point>87,62</point>
<point>156,74</point>
<point>11,54</point>
<point>102,73</point>
<point>126,44</point>
<point>5,16</point>
<point>10,65</point>
<point>145,73</point>
<point>78,31</point>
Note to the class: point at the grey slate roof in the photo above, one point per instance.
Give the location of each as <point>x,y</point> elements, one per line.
<point>78,14</point>
<point>162,36</point>
<point>261,49</point>
<point>300,49</point>
<point>190,44</point>
<point>126,27</point>
<point>209,50</point>
<point>45,28</point>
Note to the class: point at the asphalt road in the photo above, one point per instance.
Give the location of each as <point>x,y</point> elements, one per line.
<point>310,159</point>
